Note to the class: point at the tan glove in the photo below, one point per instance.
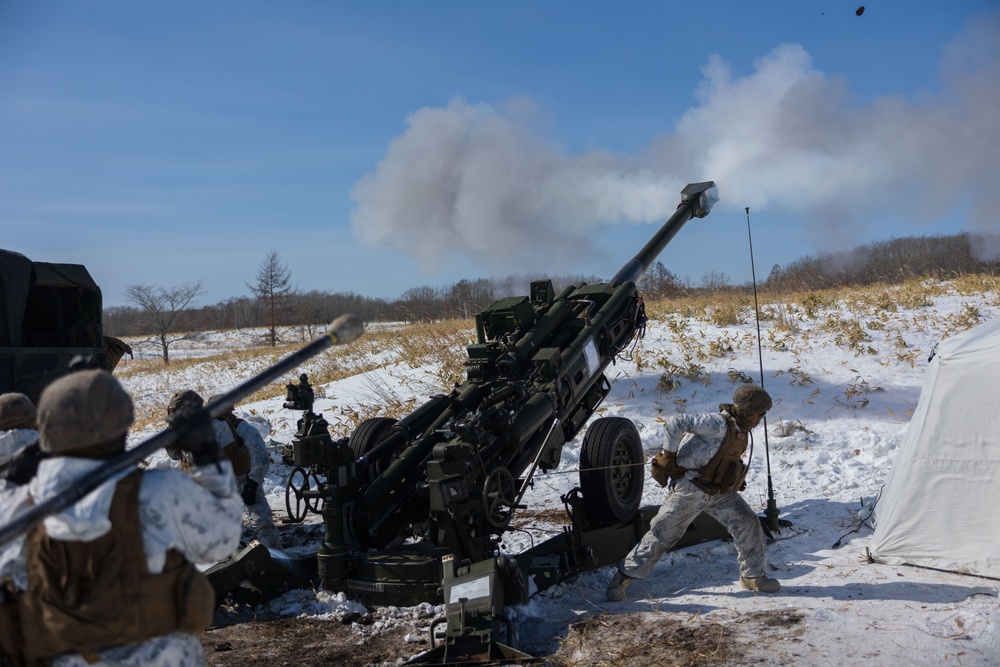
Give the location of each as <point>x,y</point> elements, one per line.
<point>664,467</point>
<point>669,462</point>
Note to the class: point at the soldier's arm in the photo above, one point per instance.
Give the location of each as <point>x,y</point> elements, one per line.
<point>706,425</point>
<point>260,460</point>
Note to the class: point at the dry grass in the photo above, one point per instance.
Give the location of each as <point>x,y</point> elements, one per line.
<point>438,347</point>
<point>440,344</point>
<point>862,321</point>
<point>657,639</point>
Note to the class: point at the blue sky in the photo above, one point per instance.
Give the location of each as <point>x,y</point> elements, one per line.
<point>380,146</point>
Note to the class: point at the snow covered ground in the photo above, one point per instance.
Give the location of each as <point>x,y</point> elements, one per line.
<point>845,377</point>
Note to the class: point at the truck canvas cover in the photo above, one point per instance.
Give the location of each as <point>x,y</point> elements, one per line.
<point>51,313</point>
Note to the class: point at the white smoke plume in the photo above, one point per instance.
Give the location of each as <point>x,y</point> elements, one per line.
<point>471,179</point>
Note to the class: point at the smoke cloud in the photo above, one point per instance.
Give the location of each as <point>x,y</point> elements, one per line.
<point>479,181</point>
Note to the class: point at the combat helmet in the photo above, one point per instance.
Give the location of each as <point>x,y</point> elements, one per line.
<point>86,413</point>
<point>17,411</point>
<point>215,397</point>
<point>184,397</point>
<point>751,399</point>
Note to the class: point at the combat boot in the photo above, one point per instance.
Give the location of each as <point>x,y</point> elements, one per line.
<point>616,589</point>
<point>760,584</point>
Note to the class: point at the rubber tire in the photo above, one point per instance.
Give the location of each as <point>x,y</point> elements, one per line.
<point>369,434</point>
<point>611,495</point>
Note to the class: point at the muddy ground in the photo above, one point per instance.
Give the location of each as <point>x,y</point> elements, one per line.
<point>244,636</point>
<point>627,640</point>
<point>302,641</point>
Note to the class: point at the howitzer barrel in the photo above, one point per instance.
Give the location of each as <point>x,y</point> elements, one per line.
<point>343,330</point>
<point>697,200</point>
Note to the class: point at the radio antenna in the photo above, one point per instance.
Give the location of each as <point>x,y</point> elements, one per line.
<point>771,512</point>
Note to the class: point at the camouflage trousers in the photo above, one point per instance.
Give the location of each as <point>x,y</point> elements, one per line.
<point>680,508</point>
<point>258,524</point>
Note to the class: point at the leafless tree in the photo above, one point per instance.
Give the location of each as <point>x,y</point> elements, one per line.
<point>420,304</point>
<point>659,282</point>
<point>163,307</point>
<point>274,284</point>
<point>467,297</point>
<point>715,281</point>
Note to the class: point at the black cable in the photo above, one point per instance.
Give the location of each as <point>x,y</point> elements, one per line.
<point>836,545</point>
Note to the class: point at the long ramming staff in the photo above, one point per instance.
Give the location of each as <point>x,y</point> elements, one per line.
<point>771,512</point>
<point>343,330</point>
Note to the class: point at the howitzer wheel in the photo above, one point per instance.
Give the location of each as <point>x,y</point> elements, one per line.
<point>611,470</point>
<point>368,435</point>
<point>297,504</point>
<point>499,493</point>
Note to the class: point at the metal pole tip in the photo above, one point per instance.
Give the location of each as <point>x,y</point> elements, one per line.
<point>345,329</point>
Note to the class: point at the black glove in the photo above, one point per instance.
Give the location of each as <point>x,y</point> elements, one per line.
<point>249,492</point>
<point>197,435</point>
<point>24,465</point>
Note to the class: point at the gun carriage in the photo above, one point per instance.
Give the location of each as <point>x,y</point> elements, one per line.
<point>449,477</point>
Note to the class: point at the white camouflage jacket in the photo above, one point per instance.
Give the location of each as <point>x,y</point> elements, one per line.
<point>199,515</point>
<point>695,438</point>
<point>260,460</point>
<point>14,440</point>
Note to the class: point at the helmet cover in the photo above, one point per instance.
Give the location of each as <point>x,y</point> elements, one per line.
<point>83,409</point>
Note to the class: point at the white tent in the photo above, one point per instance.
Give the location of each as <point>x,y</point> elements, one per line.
<point>940,506</point>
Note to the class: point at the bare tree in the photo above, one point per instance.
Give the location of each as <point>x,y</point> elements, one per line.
<point>420,304</point>
<point>467,297</point>
<point>659,282</point>
<point>163,307</point>
<point>715,281</point>
<point>274,284</point>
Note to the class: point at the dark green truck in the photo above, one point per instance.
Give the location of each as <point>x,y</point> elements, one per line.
<point>51,314</point>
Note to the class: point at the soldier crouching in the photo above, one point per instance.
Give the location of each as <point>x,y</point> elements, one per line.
<point>111,579</point>
<point>257,519</point>
<point>244,447</point>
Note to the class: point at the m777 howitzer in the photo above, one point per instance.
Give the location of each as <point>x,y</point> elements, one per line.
<point>414,509</point>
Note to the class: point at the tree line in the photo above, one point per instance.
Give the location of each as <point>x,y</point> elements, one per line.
<point>167,314</point>
<point>418,304</point>
<point>892,261</point>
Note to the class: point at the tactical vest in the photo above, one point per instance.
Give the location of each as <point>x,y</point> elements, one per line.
<point>88,596</point>
<point>725,471</point>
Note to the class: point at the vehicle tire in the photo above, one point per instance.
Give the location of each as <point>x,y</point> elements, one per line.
<point>611,470</point>
<point>369,434</point>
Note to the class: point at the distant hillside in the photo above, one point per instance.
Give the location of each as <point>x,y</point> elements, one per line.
<point>885,262</point>
<point>891,262</point>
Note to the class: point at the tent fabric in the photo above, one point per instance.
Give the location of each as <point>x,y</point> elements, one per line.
<point>940,506</point>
